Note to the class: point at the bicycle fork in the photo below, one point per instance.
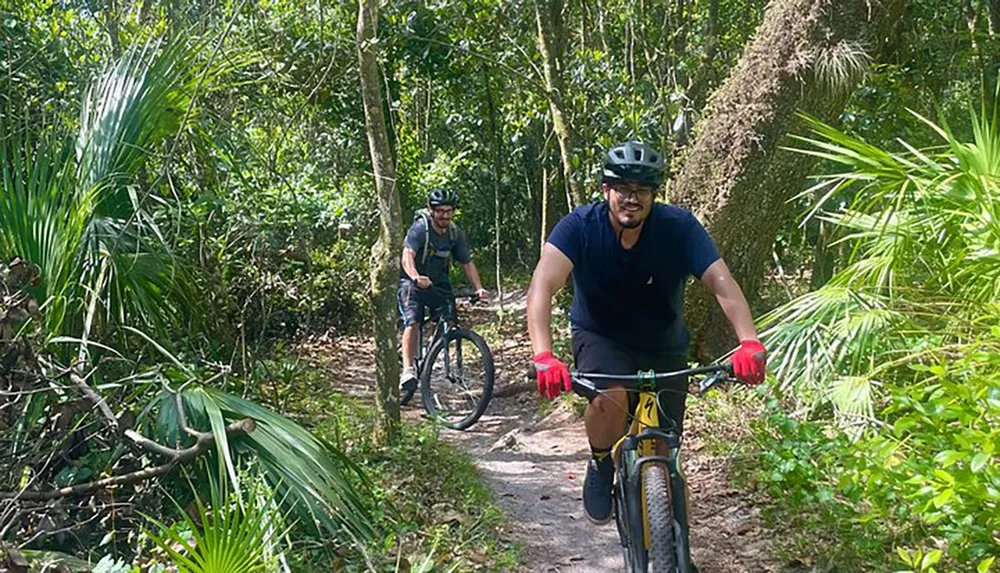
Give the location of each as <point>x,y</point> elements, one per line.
<point>632,459</point>
<point>448,351</point>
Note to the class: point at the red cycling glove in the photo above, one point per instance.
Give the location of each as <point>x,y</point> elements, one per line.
<point>750,362</point>
<point>552,375</point>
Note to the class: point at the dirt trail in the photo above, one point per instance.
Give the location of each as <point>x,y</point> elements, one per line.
<point>535,467</point>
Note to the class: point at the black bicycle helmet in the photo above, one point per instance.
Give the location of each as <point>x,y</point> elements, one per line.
<point>441,197</point>
<point>633,162</point>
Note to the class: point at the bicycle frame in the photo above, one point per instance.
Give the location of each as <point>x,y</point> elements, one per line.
<point>442,326</point>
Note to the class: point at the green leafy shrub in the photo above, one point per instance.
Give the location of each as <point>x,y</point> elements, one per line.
<point>894,364</point>
<point>234,532</point>
<point>926,478</point>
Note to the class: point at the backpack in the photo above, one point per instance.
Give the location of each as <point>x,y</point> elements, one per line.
<point>425,215</point>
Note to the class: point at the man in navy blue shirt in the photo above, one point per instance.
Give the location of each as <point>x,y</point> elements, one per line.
<point>630,258</point>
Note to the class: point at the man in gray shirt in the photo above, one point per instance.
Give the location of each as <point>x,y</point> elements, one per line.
<point>432,241</point>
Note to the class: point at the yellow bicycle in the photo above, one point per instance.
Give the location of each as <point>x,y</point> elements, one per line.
<point>649,492</point>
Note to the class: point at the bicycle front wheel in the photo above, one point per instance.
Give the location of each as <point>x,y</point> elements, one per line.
<point>662,551</point>
<point>456,382</point>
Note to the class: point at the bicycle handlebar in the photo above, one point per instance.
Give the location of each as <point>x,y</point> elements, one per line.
<point>473,297</point>
<point>716,373</point>
<point>463,294</point>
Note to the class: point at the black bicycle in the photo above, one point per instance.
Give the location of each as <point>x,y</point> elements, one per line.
<point>650,492</point>
<point>455,368</point>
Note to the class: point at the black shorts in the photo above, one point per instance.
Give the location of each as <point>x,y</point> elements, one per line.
<point>413,301</point>
<point>596,353</point>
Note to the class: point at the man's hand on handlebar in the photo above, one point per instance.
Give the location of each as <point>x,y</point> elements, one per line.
<point>552,375</point>
<point>423,282</point>
<point>750,362</point>
<point>483,294</point>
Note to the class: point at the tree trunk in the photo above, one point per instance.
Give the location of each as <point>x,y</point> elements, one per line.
<point>385,266</point>
<point>736,179</point>
<point>703,77</point>
<point>496,129</point>
<point>824,257</point>
<point>543,228</point>
<point>551,44</point>
<point>993,13</point>
<point>111,26</point>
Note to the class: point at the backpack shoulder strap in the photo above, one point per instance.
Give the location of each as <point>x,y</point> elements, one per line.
<point>423,215</point>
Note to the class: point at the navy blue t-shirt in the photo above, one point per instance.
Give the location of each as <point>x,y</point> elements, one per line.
<point>442,248</point>
<point>634,296</point>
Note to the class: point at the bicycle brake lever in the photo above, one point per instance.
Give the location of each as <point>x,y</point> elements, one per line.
<point>707,383</point>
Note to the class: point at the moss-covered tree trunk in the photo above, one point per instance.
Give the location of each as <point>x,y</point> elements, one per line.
<point>385,253</point>
<point>735,178</point>
<point>551,44</point>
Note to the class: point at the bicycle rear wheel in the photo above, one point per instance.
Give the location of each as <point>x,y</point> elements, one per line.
<point>662,551</point>
<point>456,382</point>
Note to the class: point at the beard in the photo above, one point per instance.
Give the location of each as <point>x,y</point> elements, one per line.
<point>629,219</point>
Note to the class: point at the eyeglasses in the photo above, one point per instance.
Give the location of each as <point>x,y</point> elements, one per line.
<point>443,211</point>
<point>641,193</point>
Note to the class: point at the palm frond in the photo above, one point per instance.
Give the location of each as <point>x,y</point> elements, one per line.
<point>134,104</point>
<point>924,227</point>
<point>75,212</point>
<point>827,333</point>
<point>324,483</point>
<point>852,396</point>
<point>233,533</point>
<point>43,216</point>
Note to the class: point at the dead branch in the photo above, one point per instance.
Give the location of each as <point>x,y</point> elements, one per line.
<point>93,396</point>
<point>509,390</point>
<point>177,457</point>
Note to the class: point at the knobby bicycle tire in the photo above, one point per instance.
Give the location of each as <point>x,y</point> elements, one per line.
<point>662,552</point>
<point>426,392</point>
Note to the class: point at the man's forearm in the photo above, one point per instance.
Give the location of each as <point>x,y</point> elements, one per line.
<point>472,275</point>
<point>409,263</point>
<point>730,296</point>
<point>736,309</point>
<point>539,316</point>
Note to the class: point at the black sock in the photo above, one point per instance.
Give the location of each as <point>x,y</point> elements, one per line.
<point>600,454</point>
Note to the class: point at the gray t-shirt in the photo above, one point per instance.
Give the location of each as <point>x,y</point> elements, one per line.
<point>441,250</point>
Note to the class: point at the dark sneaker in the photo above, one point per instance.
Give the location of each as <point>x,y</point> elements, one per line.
<point>597,490</point>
